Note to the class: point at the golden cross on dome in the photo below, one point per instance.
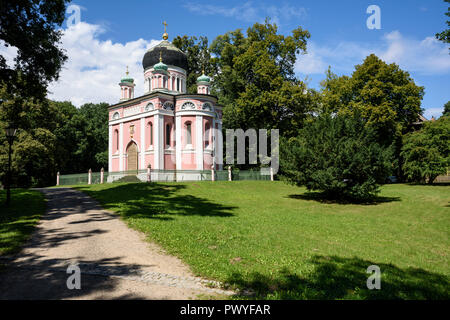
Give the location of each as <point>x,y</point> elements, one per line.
<point>165,35</point>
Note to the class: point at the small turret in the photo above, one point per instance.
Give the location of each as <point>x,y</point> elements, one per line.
<point>160,75</point>
<point>127,87</point>
<point>203,83</point>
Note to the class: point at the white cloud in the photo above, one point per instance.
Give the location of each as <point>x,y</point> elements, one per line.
<point>95,67</point>
<point>427,56</point>
<point>249,12</point>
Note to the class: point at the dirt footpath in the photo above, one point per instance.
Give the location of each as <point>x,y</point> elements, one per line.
<point>115,262</point>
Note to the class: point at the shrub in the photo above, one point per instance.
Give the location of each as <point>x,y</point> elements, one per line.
<point>337,155</point>
<point>426,153</point>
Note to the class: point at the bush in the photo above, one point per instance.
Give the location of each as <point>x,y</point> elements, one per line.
<point>426,153</point>
<point>337,155</point>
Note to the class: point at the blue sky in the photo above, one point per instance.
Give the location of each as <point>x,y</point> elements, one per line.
<point>113,34</point>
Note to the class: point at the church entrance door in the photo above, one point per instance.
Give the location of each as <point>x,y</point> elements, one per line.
<point>132,153</point>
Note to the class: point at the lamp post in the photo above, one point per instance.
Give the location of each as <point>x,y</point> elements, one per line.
<point>10,134</point>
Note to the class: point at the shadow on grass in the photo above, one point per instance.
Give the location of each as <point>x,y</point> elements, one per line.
<point>18,221</point>
<point>345,278</point>
<point>156,201</point>
<point>323,198</point>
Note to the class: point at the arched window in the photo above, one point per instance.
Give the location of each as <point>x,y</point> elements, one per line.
<point>164,82</point>
<point>207,106</point>
<point>168,135</point>
<point>150,132</point>
<point>116,116</point>
<point>168,106</point>
<point>188,133</point>
<point>178,84</point>
<point>188,106</point>
<point>149,107</point>
<point>207,134</point>
<point>116,140</point>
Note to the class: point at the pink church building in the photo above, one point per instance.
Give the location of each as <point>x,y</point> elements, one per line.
<point>166,127</point>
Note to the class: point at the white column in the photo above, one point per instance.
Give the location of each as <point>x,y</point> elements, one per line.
<point>143,143</point>
<point>219,153</point>
<point>178,132</point>
<point>121,153</point>
<point>199,141</point>
<point>213,142</point>
<point>110,148</point>
<point>156,141</point>
<point>161,141</point>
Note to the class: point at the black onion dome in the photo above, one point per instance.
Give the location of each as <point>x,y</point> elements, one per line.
<point>171,56</point>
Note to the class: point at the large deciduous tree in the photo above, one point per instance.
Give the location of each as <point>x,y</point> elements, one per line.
<point>445,35</point>
<point>31,27</point>
<point>199,59</point>
<point>446,111</point>
<point>426,152</point>
<point>385,96</point>
<point>255,78</point>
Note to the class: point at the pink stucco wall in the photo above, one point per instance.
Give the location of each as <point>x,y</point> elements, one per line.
<point>188,156</point>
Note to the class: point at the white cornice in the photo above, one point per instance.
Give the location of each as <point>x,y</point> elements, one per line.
<point>142,115</point>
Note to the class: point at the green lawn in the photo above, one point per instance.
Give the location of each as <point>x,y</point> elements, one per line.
<point>18,221</point>
<point>285,243</point>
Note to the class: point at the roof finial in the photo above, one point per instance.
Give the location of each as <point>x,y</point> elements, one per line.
<point>160,56</point>
<point>165,35</point>
<point>127,73</point>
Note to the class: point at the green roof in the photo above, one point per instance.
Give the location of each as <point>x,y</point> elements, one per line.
<point>129,80</point>
<point>160,66</point>
<point>203,78</point>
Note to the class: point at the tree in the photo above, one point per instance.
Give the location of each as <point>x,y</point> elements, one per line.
<point>93,144</point>
<point>445,35</point>
<point>427,152</point>
<point>31,27</point>
<point>446,109</point>
<point>33,155</point>
<point>199,59</point>
<point>383,94</point>
<point>53,136</point>
<point>338,155</point>
<point>255,78</point>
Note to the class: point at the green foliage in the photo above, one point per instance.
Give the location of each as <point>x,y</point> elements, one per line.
<point>338,155</point>
<point>427,152</point>
<point>382,93</point>
<point>52,137</point>
<point>445,35</point>
<point>255,80</point>
<point>32,27</point>
<point>199,58</point>
<point>446,109</point>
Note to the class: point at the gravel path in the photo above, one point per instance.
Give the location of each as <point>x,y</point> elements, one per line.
<point>115,261</point>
